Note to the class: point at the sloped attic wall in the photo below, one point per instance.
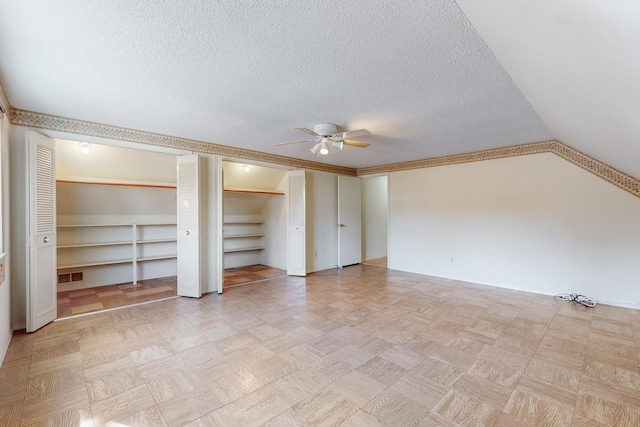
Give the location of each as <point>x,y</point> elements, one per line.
<point>535,223</point>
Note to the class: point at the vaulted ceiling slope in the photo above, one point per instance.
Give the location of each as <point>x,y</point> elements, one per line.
<point>416,74</point>
<point>577,62</point>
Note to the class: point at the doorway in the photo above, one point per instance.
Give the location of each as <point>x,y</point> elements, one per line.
<point>375,220</point>
<point>254,229</point>
<point>116,226</point>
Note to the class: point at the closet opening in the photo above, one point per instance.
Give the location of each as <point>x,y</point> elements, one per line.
<point>255,223</point>
<point>116,215</point>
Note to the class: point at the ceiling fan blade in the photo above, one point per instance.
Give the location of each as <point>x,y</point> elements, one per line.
<point>356,143</point>
<point>353,133</point>
<point>305,130</point>
<point>295,142</point>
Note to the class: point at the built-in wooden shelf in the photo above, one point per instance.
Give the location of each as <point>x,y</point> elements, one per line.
<point>114,225</point>
<point>118,183</point>
<point>156,258</point>
<point>254,248</point>
<point>96,263</point>
<point>251,191</point>
<point>240,236</point>
<point>90,245</point>
<point>98,256</point>
<point>244,222</point>
<point>156,241</point>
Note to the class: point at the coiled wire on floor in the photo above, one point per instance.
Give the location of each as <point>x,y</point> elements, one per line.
<point>578,299</point>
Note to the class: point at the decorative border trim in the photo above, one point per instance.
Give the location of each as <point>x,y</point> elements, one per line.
<point>64,124</point>
<point>578,158</point>
<point>476,156</point>
<point>598,168</point>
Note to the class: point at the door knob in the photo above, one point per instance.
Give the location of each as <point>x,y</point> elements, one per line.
<point>341,225</point>
<point>46,239</point>
<point>186,232</point>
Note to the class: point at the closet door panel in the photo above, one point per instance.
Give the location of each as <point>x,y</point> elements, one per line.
<point>188,196</point>
<point>296,225</point>
<point>41,285</point>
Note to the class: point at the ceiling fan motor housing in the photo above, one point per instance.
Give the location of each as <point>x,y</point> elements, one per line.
<point>325,129</point>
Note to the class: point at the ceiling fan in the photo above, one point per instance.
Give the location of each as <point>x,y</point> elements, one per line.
<point>326,135</point>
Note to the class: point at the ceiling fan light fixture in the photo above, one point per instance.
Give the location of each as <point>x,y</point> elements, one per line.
<point>246,168</point>
<point>337,144</point>
<point>324,148</point>
<point>315,148</point>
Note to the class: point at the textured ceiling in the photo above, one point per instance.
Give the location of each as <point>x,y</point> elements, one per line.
<point>578,63</point>
<point>416,74</point>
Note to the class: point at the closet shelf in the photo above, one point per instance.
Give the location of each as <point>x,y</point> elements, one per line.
<point>253,192</point>
<point>156,258</point>
<point>240,236</point>
<point>254,248</point>
<point>114,225</point>
<point>156,241</point>
<point>96,264</point>
<point>90,245</point>
<point>244,222</point>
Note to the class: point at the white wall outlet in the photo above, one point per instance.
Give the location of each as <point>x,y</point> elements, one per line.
<point>451,259</point>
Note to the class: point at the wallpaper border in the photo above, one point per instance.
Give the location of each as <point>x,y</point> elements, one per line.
<point>578,158</point>
<point>64,124</point>
<point>600,169</point>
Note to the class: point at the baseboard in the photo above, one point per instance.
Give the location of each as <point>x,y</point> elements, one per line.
<point>19,326</point>
<point>4,346</point>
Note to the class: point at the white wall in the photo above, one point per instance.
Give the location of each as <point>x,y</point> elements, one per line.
<point>534,223</point>
<point>375,213</point>
<point>6,329</point>
<point>18,220</point>
<point>105,162</point>
<point>322,220</point>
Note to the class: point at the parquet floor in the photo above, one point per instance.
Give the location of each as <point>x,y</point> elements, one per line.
<point>362,346</point>
<point>104,297</point>
<point>252,273</point>
<point>377,262</point>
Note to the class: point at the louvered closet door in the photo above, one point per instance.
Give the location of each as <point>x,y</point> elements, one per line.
<point>189,226</point>
<point>296,225</point>
<point>41,283</point>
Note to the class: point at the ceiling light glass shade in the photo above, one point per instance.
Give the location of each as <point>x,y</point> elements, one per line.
<point>315,148</point>
<point>324,148</point>
<point>337,144</point>
<point>85,147</point>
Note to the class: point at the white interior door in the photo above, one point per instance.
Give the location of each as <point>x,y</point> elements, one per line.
<point>349,220</point>
<point>189,226</point>
<point>41,282</point>
<point>296,225</point>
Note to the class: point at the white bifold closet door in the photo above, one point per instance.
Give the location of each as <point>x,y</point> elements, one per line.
<point>188,196</point>
<point>41,276</point>
<point>296,225</point>
<point>349,220</point>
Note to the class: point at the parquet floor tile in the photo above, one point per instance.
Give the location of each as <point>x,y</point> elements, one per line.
<point>361,346</point>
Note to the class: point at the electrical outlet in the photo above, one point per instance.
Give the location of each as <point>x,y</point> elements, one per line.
<point>451,259</point>
<point>568,289</point>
